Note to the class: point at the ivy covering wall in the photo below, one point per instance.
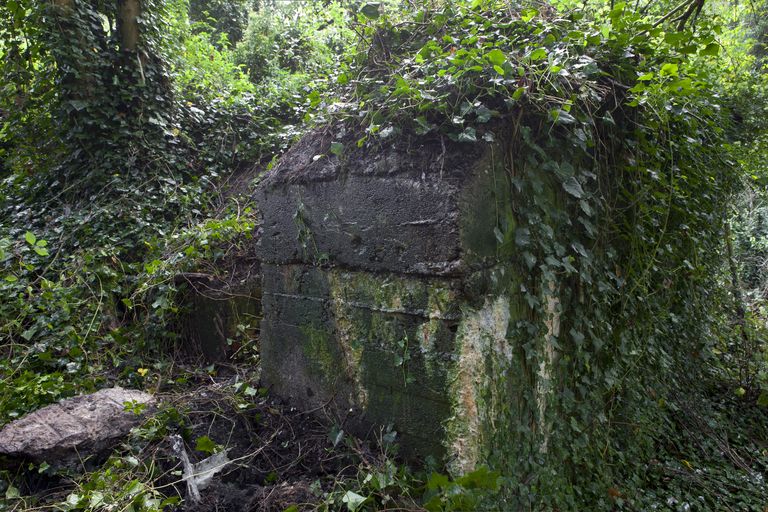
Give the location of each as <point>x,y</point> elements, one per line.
<point>617,160</point>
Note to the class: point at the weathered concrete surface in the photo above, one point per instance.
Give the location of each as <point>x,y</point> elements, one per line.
<point>383,294</point>
<point>419,210</point>
<point>68,432</point>
<point>379,346</point>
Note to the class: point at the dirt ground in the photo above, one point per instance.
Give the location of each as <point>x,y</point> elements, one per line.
<point>281,457</point>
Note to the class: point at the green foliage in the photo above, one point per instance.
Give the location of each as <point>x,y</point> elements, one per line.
<point>623,139</point>
<point>123,483</point>
<point>467,492</point>
<point>305,39</point>
<point>111,172</point>
<point>743,78</point>
<point>128,165</point>
<point>223,17</point>
<point>205,444</point>
<point>206,73</point>
<point>618,159</point>
<point>385,484</point>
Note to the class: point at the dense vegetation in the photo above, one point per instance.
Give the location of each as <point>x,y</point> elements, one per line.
<point>127,152</point>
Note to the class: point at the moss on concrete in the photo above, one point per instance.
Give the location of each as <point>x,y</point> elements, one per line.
<point>425,348</point>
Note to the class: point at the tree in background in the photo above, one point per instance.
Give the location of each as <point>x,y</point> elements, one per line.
<point>100,69</point>
<point>227,18</point>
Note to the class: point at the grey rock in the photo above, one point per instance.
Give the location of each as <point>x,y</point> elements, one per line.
<point>68,432</point>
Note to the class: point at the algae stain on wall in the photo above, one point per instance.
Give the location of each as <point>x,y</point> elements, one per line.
<point>547,359</point>
<point>348,336</point>
<point>322,353</point>
<point>481,336</point>
<point>365,309</point>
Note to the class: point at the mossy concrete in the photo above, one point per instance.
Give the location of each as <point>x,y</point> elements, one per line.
<point>378,347</point>
<point>386,297</point>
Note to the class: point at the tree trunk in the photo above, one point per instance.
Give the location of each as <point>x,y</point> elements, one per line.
<point>740,313</point>
<point>128,12</point>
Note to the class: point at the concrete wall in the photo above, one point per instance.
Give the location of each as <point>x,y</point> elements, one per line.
<point>384,299</point>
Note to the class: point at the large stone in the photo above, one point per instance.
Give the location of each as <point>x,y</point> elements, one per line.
<point>69,432</point>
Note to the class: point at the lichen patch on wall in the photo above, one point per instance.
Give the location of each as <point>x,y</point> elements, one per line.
<point>482,335</point>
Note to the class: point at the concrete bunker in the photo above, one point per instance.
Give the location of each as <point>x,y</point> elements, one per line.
<point>384,296</point>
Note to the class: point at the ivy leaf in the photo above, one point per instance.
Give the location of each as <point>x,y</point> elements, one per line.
<point>522,237</point>
<point>579,248</point>
<point>336,435</point>
<point>153,266</point>
<point>387,132</point>
<point>481,478</point>
<point>483,114</point>
<point>29,333</point>
<point>530,259</point>
<point>78,104</point>
<point>496,57</point>
<point>689,49</point>
<point>562,117</point>
<point>30,238</point>
<point>41,251</point>
<point>669,69</point>
<point>674,38</point>
<point>468,135</point>
<point>422,125</point>
<point>353,500</point>
<point>205,444</point>
<point>539,54</point>
<point>498,234</point>
<point>712,50</point>
<point>575,425</point>
<point>573,187</point>
<point>337,148</point>
<point>528,14</point>
<point>437,481</point>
